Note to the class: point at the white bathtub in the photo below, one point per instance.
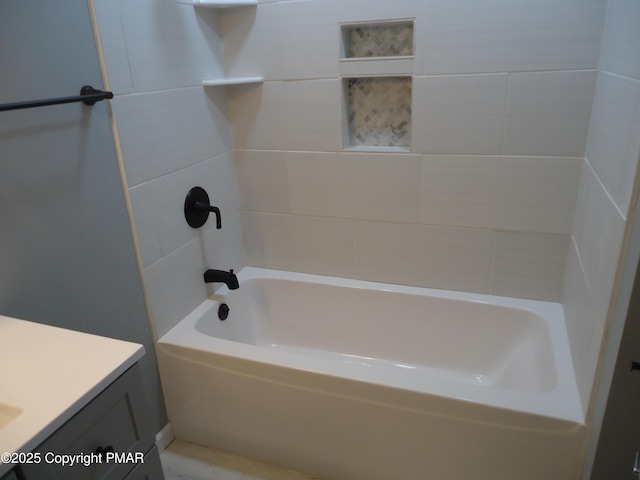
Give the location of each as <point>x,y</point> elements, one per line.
<point>352,380</point>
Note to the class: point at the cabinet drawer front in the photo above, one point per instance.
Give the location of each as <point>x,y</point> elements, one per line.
<point>115,421</point>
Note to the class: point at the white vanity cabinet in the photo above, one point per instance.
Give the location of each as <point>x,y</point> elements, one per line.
<point>115,421</point>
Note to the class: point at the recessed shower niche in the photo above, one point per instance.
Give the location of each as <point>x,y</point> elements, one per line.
<point>379,39</point>
<point>376,63</point>
<point>378,113</point>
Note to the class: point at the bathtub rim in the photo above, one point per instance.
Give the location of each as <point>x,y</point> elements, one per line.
<point>561,403</point>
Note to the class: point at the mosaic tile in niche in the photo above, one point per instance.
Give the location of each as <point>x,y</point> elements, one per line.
<point>385,40</point>
<point>379,111</point>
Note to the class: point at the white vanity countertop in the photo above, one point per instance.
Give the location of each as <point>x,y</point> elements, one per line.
<point>47,374</point>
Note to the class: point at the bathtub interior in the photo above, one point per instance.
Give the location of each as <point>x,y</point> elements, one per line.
<point>305,368</point>
<point>472,342</point>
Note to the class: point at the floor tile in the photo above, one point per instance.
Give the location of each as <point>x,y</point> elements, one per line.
<point>185,461</point>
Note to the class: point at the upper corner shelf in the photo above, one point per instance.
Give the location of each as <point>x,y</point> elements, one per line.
<point>224,3</point>
<point>232,81</point>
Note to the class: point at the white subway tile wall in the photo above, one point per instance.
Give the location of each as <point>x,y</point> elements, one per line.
<point>167,44</point>
<point>251,44</point>
<point>608,176</point>
<point>517,254</point>
<point>363,186</point>
<point>470,36</point>
<point>460,114</point>
<point>614,139</point>
<point>521,194</point>
<point>425,255</point>
<point>548,113</point>
<point>161,132</point>
<point>500,117</point>
<point>173,135</point>
<point>301,115</point>
<point>287,242</point>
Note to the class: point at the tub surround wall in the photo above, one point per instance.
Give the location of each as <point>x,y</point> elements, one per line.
<point>173,135</point>
<point>606,192</point>
<point>485,200</point>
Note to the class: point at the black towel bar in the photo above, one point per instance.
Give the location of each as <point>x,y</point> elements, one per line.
<point>88,95</point>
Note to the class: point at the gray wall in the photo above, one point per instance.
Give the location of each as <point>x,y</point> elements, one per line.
<point>67,256</point>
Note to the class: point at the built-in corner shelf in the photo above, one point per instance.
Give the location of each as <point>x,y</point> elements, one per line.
<point>232,81</point>
<point>224,3</point>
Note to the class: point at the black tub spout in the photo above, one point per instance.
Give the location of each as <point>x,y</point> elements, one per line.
<point>229,278</point>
